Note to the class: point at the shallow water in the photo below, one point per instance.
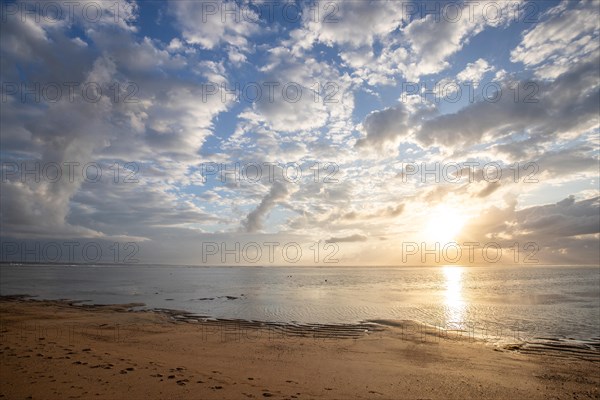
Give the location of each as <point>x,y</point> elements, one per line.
<point>500,303</point>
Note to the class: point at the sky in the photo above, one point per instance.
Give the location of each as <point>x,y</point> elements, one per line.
<point>300,133</point>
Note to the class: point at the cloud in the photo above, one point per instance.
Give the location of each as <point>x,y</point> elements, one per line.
<point>545,111</point>
<point>568,35</point>
<point>254,220</point>
<point>433,38</point>
<point>474,71</point>
<point>385,126</point>
<point>347,239</point>
<point>432,42</point>
<point>172,127</point>
<point>412,43</point>
<point>547,225</point>
<point>355,23</point>
<point>61,140</point>
<point>489,189</point>
<point>566,218</point>
<point>207,24</point>
<point>309,102</point>
<point>385,212</point>
<point>166,122</point>
<point>548,117</point>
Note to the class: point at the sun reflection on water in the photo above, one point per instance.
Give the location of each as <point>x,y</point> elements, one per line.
<point>454,303</point>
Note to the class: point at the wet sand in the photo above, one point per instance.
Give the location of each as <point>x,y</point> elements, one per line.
<point>58,350</point>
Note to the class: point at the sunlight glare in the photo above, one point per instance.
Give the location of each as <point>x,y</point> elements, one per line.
<point>444,224</point>
<point>455,305</point>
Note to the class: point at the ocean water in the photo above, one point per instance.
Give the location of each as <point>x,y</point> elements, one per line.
<point>506,303</point>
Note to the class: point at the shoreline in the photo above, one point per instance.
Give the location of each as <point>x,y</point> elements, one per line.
<point>409,329</point>
<point>115,351</point>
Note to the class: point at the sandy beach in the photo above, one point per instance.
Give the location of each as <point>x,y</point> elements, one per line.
<point>57,350</point>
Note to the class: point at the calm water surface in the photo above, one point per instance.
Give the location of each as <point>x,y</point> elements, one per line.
<point>535,301</point>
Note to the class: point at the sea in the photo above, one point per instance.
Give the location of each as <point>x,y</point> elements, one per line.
<point>499,303</point>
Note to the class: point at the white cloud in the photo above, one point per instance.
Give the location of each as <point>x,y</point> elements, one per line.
<point>568,35</point>
<point>354,23</point>
<point>206,24</point>
<point>166,121</point>
<point>307,95</point>
<point>410,47</point>
<point>175,45</point>
<point>473,72</point>
<point>168,130</point>
<point>544,112</point>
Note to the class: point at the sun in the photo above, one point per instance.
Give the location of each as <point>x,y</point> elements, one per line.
<point>444,224</point>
